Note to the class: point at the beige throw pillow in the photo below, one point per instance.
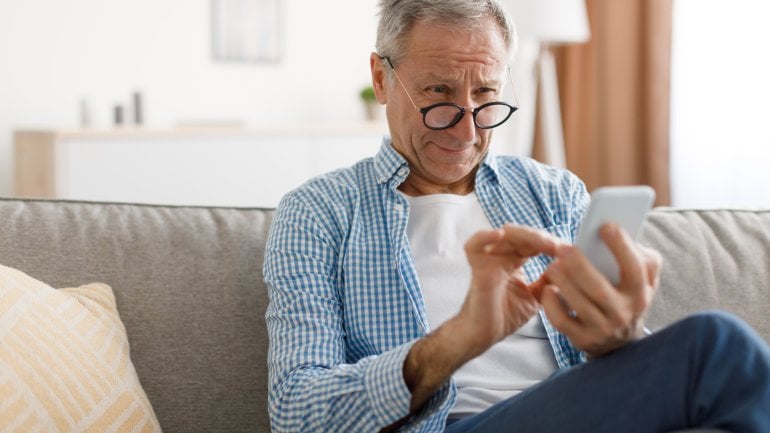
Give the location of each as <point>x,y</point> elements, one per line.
<point>64,361</point>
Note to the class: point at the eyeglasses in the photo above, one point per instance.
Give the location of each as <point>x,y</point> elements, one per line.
<point>445,115</point>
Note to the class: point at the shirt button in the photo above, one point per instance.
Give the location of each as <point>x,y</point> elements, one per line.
<point>398,207</point>
<point>401,171</point>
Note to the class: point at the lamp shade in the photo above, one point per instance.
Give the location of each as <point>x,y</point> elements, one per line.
<point>551,21</point>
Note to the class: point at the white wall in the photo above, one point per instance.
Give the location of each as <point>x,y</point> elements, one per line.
<point>54,52</point>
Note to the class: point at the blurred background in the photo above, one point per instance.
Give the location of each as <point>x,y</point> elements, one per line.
<point>235,102</point>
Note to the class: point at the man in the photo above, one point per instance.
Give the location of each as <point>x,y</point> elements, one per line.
<point>434,288</point>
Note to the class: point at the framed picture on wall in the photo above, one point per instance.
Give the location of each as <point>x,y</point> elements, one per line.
<point>246,30</point>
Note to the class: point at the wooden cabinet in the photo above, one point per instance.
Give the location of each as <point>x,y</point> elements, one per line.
<point>213,167</point>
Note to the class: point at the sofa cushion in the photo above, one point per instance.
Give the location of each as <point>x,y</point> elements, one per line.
<point>64,360</point>
<point>713,258</point>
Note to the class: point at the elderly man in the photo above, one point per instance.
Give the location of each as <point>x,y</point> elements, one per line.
<point>434,287</point>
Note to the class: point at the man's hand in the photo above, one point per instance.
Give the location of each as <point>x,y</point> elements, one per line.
<point>499,301</point>
<point>581,303</point>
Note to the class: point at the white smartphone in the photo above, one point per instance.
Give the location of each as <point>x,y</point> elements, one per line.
<point>625,205</point>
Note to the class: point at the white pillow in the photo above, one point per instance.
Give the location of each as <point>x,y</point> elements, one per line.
<point>64,361</point>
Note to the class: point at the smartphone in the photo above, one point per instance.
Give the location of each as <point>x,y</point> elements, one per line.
<point>625,205</point>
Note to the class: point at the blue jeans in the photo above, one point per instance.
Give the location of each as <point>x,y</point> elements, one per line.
<point>708,370</point>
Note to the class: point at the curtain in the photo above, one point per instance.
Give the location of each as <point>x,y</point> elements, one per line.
<point>615,96</point>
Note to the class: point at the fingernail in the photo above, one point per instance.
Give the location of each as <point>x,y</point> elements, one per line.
<point>612,228</point>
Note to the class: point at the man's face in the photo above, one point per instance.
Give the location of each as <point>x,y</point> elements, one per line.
<point>466,67</point>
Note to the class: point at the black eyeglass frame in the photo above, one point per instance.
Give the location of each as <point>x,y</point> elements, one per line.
<point>461,110</point>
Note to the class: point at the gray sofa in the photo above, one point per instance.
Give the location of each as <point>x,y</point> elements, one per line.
<point>189,288</point>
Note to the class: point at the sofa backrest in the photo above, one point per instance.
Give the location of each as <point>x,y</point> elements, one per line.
<point>188,284</point>
<point>718,258</point>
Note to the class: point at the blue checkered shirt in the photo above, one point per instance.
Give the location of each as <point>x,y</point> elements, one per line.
<point>345,302</point>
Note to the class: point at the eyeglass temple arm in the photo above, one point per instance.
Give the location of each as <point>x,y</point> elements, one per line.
<point>393,68</point>
<point>513,87</point>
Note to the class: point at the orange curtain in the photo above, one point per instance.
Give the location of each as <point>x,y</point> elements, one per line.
<point>615,96</point>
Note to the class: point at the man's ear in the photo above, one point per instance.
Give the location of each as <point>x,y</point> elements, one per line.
<point>379,78</point>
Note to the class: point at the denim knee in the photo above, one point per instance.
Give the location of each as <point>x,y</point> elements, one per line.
<point>712,322</point>
<point>714,331</point>
<point>730,367</point>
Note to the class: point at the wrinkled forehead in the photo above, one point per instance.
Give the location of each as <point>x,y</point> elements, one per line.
<point>484,37</point>
<point>480,48</point>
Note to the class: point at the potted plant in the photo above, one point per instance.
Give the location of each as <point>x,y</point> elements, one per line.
<point>370,103</point>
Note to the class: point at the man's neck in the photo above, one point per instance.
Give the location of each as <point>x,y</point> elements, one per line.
<point>416,187</point>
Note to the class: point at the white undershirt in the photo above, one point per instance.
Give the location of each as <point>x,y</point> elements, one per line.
<point>438,227</point>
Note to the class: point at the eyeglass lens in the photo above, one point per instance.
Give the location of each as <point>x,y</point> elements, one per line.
<point>487,116</point>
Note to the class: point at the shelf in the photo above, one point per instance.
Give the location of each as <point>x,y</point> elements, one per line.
<point>251,167</point>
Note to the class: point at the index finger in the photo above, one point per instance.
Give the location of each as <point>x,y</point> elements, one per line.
<point>524,241</point>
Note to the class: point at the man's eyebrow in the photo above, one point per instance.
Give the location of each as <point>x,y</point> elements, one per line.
<point>496,84</point>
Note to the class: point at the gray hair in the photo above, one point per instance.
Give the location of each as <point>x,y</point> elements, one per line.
<point>397,17</point>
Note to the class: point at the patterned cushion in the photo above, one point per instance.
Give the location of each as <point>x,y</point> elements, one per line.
<point>64,360</point>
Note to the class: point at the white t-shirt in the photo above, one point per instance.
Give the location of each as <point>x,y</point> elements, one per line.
<point>439,225</point>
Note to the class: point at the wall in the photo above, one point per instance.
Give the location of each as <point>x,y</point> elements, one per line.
<point>54,53</point>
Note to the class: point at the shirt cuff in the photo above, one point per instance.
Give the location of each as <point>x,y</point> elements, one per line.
<point>387,391</point>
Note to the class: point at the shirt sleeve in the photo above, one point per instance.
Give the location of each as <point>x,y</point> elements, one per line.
<point>579,200</point>
<point>314,387</point>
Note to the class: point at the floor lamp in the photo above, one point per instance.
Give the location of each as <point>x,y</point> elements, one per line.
<point>548,23</point>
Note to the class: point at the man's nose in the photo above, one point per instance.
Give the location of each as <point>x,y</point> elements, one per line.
<point>465,129</point>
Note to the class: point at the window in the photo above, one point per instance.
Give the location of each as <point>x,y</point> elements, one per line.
<point>720,96</point>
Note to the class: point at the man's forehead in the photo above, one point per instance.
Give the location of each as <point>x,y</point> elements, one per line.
<point>480,46</point>
<point>481,65</point>
<point>446,74</point>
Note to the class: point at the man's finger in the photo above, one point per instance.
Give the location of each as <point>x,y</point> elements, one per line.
<point>527,242</point>
<point>589,310</point>
<point>558,313</point>
<point>632,272</point>
<point>653,261</point>
<point>587,279</point>
<point>482,240</point>
<point>536,288</point>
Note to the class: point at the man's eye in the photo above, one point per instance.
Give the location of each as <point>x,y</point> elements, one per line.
<point>486,90</point>
<point>437,89</point>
